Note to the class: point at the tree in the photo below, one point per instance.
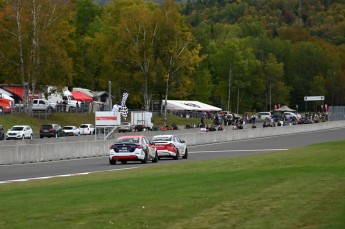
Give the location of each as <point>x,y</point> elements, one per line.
<point>178,50</point>
<point>275,87</point>
<point>34,31</point>
<point>135,28</point>
<point>151,43</point>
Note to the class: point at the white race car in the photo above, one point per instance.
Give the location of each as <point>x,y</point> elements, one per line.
<point>132,148</point>
<point>170,146</point>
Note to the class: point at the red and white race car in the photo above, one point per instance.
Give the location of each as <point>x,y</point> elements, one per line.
<point>170,146</point>
<point>132,148</point>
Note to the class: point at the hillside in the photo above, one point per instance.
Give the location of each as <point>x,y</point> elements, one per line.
<point>242,56</point>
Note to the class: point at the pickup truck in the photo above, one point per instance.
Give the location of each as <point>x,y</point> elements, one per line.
<point>41,105</point>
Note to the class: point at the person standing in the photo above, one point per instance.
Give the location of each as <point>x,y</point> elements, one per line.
<point>116,107</point>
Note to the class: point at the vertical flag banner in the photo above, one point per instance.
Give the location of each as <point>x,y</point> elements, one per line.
<point>124,110</point>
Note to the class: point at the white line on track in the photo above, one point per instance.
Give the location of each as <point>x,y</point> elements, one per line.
<point>64,175</point>
<point>239,150</point>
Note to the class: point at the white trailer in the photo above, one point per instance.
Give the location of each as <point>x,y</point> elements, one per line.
<point>141,120</point>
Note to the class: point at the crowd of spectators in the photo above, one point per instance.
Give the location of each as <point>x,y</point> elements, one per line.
<point>221,119</point>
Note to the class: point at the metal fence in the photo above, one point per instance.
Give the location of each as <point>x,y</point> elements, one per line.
<point>336,113</point>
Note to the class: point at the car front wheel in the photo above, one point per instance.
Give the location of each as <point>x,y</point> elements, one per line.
<point>112,162</point>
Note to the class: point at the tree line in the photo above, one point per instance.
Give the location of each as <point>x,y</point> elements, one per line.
<point>238,55</point>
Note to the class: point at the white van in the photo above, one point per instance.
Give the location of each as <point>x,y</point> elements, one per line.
<point>263,115</point>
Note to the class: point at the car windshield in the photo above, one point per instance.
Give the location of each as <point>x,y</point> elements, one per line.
<point>161,139</point>
<point>125,123</point>
<point>83,126</point>
<point>128,140</point>
<point>16,128</point>
<point>68,127</point>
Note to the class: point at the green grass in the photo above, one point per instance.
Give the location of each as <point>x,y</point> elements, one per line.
<point>171,118</point>
<point>301,188</point>
<point>35,122</point>
<point>78,118</point>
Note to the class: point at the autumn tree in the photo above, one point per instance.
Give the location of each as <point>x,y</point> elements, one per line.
<point>148,44</point>
<point>178,50</point>
<point>36,31</point>
<point>276,90</point>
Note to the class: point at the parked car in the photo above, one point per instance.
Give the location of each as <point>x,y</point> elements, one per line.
<point>291,115</point>
<point>19,132</point>
<point>125,127</point>
<point>277,117</point>
<point>71,130</point>
<point>87,129</point>
<point>263,115</point>
<point>132,148</point>
<point>2,133</point>
<point>41,105</point>
<point>51,130</point>
<point>170,146</point>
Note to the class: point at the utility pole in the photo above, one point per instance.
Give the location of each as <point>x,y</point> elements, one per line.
<point>110,97</point>
<point>229,87</point>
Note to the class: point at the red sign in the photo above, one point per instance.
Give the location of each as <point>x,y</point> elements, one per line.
<point>106,118</point>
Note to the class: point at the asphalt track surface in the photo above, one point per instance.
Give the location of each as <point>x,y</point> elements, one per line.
<point>46,170</point>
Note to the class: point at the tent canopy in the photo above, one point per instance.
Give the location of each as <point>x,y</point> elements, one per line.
<point>180,105</point>
<point>84,91</point>
<point>285,108</point>
<point>79,96</point>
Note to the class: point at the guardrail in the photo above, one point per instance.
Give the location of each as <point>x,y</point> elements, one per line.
<point>42,150</point>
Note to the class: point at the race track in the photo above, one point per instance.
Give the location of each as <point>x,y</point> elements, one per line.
<point>44,170</point>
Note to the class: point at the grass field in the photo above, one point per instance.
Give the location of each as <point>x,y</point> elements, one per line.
<point>79,118</point>
<point>303,188</point>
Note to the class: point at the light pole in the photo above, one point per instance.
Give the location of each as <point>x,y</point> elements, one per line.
<point>229,87</point>
<point>110,97</point>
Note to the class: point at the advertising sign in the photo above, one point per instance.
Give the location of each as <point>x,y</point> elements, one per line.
<point>107,118</point>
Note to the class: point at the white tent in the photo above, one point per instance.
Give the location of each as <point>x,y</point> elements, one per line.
<point>181,105</point>
<point>285,108</point>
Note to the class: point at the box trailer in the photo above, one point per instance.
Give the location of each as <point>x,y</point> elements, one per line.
<point>141,120</point>
<point>6,104</point>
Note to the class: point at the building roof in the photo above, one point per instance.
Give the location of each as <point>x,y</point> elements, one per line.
<point>99,93</point>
